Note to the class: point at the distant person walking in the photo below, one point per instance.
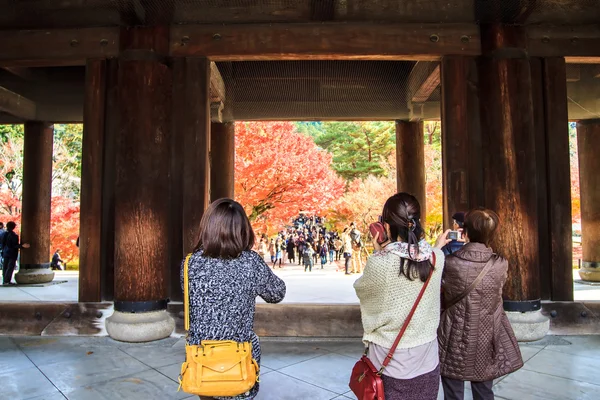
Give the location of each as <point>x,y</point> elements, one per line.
<point>2,232</point>
<point>272,251</point>
<point>308,257</point>
<point>347,249</point>
<point>56,262</point>
<point>10,252</point>
<point>356,244</point>
<point>290,247</point>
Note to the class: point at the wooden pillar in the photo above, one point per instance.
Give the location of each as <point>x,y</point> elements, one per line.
<point>559,172</point>
<point>111,130</point>
<point>510,179</point>
<point>539,117</point>
<point>461,137</point>
<point>222,159</point>
<point>588,143</point>
<point>190,169</point>
<point>142,187</point>
<point>191,96</point>
<point>37,193</point>
<point>90,249</point>
<point>410,161</point>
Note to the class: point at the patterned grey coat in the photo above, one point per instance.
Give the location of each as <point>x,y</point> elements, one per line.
<point>223,299</point>
<point>476,340</point>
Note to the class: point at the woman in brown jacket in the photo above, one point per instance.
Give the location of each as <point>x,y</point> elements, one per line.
<point>476,340</point>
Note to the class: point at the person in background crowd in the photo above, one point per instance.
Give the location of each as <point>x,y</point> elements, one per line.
<point>356,249</point>
<point>458,220</point>
<point>476,341</point>
<point>262,247</point>
<point>308,257</point>
<point>2,232</point>
<point>331,247</point>
<point>278,252</point>
<point>10,252</point>
<point>393,278</point>
<point>272,251</point>
<point>56,262</point>
<point>317,249</point>
<point>337,245</point>
<point>225,277</point>
<point>347,249</point>
<point>323,252</point>
<point>290,250</point>
<point>300,245</point>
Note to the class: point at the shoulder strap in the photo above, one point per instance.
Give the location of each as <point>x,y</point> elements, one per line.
<point>388,358</point>
<point>474,284</point>
<point>186,292</point>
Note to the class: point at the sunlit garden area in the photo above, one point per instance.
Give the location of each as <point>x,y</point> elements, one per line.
<point>341,171</point>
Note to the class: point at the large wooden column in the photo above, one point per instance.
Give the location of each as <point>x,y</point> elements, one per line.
<point>191,165</point>
<point>90,249</point>
<point>222,160</point>
<point>410,161</point>
<point>142,188</point>
<point>510,179</point>
<point>37,193</point>
<point>588,143</point>
<point>549,82</point>
<point>461,137</point>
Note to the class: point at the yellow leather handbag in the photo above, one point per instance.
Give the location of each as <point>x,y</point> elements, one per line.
<point>215,367</point>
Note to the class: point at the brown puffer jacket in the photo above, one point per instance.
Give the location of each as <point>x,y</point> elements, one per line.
<point>476,340</point>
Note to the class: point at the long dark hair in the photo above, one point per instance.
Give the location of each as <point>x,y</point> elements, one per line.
<point>225,231</point>
<point>403,214</point>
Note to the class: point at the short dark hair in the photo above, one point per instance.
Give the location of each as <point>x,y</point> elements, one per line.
<point>481,225</point>
<point>11,226</point>
<point>225,231</point>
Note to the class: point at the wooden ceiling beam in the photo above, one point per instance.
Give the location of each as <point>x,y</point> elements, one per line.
<point>217,86</point>
<point>295,41</point>
<point>17,105</point>
<point>423,80</point>
<point>57,47</point>
<point>573,42</point>
<point>327,41</point>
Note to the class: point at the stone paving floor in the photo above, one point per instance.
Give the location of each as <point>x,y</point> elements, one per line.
<point>91,368</point>
<point>328,285</point>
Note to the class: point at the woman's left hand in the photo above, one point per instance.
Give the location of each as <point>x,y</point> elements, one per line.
<point>442,240</point>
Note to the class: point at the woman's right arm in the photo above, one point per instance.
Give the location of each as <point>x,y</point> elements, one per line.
<point>269,286</point>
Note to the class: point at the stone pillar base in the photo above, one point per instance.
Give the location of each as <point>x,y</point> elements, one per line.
<point>529,326</point>
<point>30,276</point>
<point>590,271</point>
<point>140,327</point>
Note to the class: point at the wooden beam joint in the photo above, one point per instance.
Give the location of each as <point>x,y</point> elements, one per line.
<point>17,105</point>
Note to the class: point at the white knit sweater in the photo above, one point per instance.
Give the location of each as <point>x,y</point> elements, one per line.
<point>386,300</point>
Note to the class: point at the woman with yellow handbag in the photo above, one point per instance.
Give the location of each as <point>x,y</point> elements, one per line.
<point>221,280</point>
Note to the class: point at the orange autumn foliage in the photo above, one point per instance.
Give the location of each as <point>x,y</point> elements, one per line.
<point>280,172</point>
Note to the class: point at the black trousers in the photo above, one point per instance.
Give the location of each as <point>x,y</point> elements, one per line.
<point>347,263</point>
<point>454,389</point>
<point>8,267</point>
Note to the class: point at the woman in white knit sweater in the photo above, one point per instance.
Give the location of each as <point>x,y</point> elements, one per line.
<point>392,280</point>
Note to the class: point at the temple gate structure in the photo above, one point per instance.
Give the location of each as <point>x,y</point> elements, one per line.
<point>159,83</point>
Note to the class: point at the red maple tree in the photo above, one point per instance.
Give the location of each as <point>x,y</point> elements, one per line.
<point>280,172</point>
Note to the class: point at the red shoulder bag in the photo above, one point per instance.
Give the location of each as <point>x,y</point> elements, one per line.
<point>365,381</point>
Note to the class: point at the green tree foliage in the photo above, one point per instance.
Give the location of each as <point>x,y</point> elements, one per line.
<point>358,148</point>
<point>66,172</point>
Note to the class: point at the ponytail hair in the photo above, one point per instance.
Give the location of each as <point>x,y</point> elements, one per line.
<point>402,213</point>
